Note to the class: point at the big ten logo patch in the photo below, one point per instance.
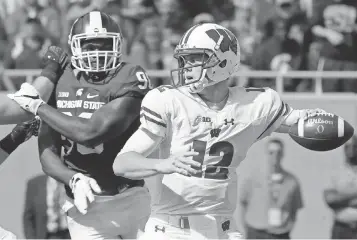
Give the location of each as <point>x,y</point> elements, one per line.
<point>200,119</point>
<point>63,94</point>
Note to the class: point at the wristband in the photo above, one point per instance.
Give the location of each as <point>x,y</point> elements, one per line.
<point>8,144</point>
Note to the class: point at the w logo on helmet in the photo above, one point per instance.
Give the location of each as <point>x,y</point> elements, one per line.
<point>228,42</point>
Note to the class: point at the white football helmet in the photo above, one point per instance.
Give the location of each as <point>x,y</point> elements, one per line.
<point>92,27</point>
<point>220,56</point>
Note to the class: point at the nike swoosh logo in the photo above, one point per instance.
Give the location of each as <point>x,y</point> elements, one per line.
<point>33,97</point>
<point>92,96</point>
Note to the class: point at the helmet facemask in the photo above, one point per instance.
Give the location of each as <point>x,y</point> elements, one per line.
<point>193,65</point>
<point>99,52</point>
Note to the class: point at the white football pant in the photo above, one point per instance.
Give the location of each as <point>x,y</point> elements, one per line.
<point>122,216</point>
<point>4,234</point>
<point>195,227</point>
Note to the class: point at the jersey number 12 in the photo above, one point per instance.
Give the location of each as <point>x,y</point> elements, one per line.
<point>218,170</point>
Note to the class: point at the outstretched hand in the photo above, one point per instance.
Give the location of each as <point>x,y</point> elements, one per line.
<point>28,98</point>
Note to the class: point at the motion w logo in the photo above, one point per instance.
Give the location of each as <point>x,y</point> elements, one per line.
<point>228,41</point>
<point>215,132</point>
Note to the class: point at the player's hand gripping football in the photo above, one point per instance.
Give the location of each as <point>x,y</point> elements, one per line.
<point>181,163</point>
<point>307,113</point>
<point>82,189</point>
<point>28,98</point>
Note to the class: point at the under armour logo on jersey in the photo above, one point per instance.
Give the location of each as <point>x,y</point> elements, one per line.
<point>79,92</point>
<point>226,225</point>
<point>226,121</point>
<point>159,228</point>
<point>215,132</point>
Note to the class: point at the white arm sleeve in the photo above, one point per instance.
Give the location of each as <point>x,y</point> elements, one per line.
<point>276,112</point>
<point>154,115</point>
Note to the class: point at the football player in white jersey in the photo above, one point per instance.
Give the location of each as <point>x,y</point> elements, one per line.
<point>203,130</point>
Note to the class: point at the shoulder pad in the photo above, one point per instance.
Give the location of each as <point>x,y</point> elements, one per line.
<point>270,100</point>
<point>258,93</point>
<point>130,80</point>
<point>163,88</point>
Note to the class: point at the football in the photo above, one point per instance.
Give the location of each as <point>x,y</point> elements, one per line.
<point>323,132</point>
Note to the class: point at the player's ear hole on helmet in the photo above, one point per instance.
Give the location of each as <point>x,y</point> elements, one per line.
<point>223,63</point>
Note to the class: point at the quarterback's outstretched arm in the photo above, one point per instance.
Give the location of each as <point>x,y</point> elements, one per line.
<point>276,115</point>
<point>279,116</point>
<point>291,118</point>
<point>105,123</point>
<point>294,116</point>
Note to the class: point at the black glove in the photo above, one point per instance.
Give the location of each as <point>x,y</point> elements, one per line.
<point>19,134</point>
<point>55,60</point>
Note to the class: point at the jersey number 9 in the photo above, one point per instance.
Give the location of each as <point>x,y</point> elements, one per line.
<point>144,80</point>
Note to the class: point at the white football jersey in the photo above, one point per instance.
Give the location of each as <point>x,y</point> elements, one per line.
<point>222,139</point>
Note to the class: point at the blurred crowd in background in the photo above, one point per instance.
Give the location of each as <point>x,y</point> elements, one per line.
<point>278,35</point>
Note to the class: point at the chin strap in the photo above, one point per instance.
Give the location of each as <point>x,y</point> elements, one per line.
<point>200,84</point>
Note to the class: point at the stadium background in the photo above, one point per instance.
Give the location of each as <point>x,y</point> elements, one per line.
<point>253,21</point>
